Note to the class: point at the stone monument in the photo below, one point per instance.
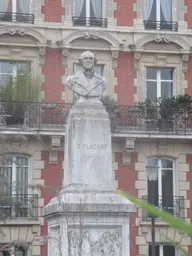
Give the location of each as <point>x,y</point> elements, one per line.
<point>88,217</point>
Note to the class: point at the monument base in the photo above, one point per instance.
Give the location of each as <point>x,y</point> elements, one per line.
<point>88,222</point>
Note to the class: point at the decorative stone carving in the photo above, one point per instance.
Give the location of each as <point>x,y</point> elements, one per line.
<point>53,157</point>
<point>128,149</point>
<point>162,39</point>
<point>65,54</point>
<point>107,243</point>
<point>42,52</point>
<point>90,35</point>
<point>185,60</point>
<point>17,30</point>
<point>137,57</point>
<point>115,55</point>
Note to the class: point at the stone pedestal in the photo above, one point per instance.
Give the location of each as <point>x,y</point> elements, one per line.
<point>88,146</point>
<point>88,217</point>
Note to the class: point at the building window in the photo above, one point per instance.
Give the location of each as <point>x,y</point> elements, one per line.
<point>163,193</point>
<point>11,70</point>
<point>163,250</point>
<point>13,250</point>
<point>16,11</point>
<point>158,15</point>
<point>14,173</point>
<point>88,13</point>
<point>159,83</point>
<point>99,69</point>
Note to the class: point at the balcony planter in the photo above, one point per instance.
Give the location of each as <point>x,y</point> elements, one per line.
<point>165,126</point>
<point>15,95</point>
<point>113,110</point>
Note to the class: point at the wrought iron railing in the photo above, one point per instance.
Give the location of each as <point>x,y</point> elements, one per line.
<point>174,205</point>
<point>17,17</point>
<point>125,119</point>
<point>19,206</point>
<point>136,119</point>
<point>162,25</point>
<point>88,21</point>
<point>36,115</point>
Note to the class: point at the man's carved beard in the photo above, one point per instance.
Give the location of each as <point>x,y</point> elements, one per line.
<point>88,73</point>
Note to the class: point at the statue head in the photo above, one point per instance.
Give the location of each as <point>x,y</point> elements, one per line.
<point>87,60</point>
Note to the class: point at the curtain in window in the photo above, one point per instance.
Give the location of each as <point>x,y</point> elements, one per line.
<point>97,9</point>
<point>4,5</point>
<point>149,6</point>
<point>24,6</point>
<point>22,175</point>
<point>166,7</point>
<point>78,6</point>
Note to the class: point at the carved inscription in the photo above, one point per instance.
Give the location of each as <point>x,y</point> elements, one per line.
<point>92,146</point>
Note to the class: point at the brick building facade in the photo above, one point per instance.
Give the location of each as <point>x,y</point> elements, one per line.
<point>143,49</point>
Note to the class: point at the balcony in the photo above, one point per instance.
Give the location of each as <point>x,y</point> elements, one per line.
<point>174,206</point>
<point>19,206</point>
<point>90,22</point>
<point>17,17</point>
<point>51,117</point>
<point>161,25</point>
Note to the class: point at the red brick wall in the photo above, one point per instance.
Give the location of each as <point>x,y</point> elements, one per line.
<point>52,176</point>
<point>188,77</point>
<point>188,15</point>
<point>53,72</point>
<point>125,74</point>
<point>52,10</point>
<point>126,176</point>
<point>124,12</point>
<point>189,194</point>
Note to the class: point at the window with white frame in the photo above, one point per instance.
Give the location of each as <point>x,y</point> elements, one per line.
<point>163,250</point>
<point>10,70</point>
<point>87,12</point>
<point>16,10</point>
<point>165,185</point>
<point>158,14</point>
<point>99,69</point>
<point>14,174</point>
<point>159,10</point>
<point>159,83</point>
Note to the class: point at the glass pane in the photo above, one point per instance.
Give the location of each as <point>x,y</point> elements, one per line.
<point>96,9</point>
<point>166,74</point>
<point>82,13</point>
<point>166,11</point>
<point>156,250</point>
<point>23,67</point>
<point>167,190</point>
<point>4,79</point>
<point>99,69</point>
<point>152,162</point>
<point>152,15</point>
<point>152,73</point>
<point>166,89</point>
<point>166,163</point>
<point>153,192</point>
<point>151,91</point>
<point>6,67</point>
<point>168,250</point>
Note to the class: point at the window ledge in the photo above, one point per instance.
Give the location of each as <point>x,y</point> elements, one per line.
<point>20,222</point>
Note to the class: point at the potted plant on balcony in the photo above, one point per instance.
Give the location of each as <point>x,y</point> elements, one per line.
<point>16,96</point>
<point>167,112</point>
<point>113,110</point>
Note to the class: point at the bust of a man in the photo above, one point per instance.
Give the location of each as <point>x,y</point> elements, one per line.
<point>85,83</point>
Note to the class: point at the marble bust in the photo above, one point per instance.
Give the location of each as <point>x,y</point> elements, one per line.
<point>86,84</point>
